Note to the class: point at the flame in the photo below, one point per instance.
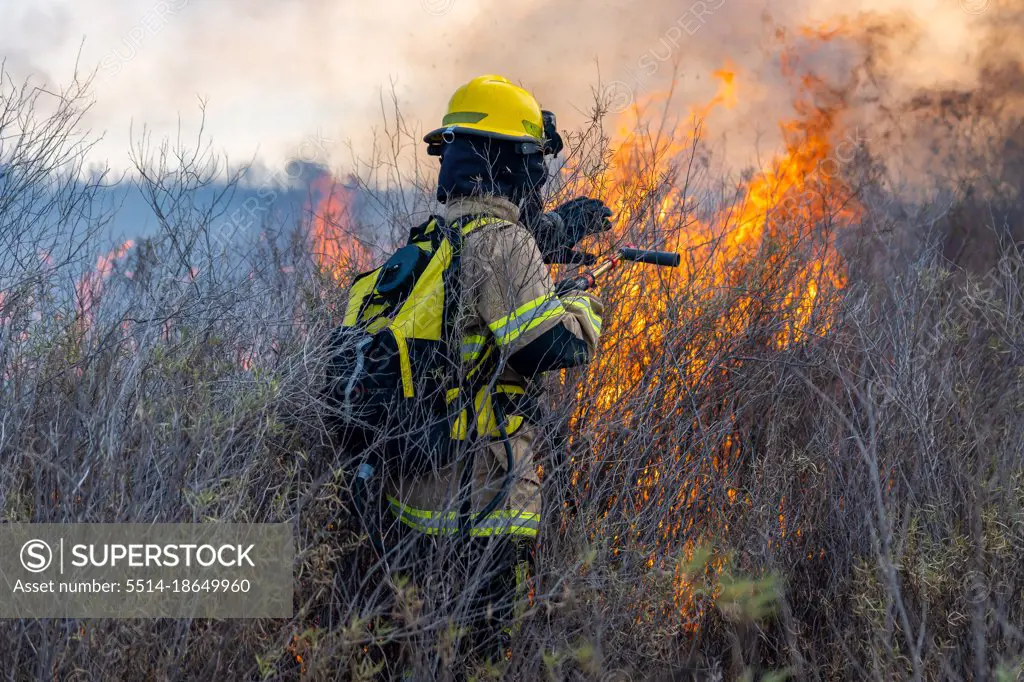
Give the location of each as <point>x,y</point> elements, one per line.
<point>332,230</point>
<point>89,286</point>
<point>640,162</point>
<point>779,213</point>
<point>763,266</point>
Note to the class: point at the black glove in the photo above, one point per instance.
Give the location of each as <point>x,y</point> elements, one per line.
<point>549,231</point>
<point>557,232</point>
<point>582,217</point>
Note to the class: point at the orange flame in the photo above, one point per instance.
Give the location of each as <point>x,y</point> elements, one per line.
<point>89,286</point>
<point>780,217</point>
<point>333,232</point>
<point>777,236</point>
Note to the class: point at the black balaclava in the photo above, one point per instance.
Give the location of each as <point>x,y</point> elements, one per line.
<point>478,166</point>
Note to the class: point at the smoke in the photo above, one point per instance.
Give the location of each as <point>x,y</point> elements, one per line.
<point>276,74</point>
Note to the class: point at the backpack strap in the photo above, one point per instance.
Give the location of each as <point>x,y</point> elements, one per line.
<point>452,278</point>
<point>425,231</point>
<point>455,234</point>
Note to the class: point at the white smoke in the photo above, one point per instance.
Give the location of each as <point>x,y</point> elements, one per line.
<point>305,78</point>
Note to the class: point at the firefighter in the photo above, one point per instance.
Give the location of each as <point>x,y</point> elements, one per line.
<point>492,147</point>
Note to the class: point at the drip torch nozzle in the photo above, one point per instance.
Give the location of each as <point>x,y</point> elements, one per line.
<point>588,279</point>
<point>666,259</point>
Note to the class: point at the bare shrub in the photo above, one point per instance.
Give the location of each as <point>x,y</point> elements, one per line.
<point>749,478</point>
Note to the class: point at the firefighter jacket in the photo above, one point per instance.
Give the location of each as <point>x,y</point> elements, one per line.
<point>510,307</point>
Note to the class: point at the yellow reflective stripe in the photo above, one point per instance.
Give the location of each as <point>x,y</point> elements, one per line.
<point>358,293</point>
<point>445,525</point>
<point>472,346</point>
<point>480,222</point>
<point>527,531</point>
<point>466,228</point>
<point>486,420</point>
<point>584,303</point>
<point>476,349</point>
<point>475,531</point>
<point>480,364</point>
<point>377,324</point>
<point>514,422</point>
<point>404,363</point>
<point>526,317</point>
<point>407,510</point>
<point>459,427</point>
<point>505,522</point>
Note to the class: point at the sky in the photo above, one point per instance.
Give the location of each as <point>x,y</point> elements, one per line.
<point>314,79</point>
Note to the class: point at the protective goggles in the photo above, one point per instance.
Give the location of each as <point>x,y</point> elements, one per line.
<point>552,144</point>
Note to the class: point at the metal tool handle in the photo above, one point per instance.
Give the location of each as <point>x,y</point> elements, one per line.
<point>589,278</point>
<point>666,259</point>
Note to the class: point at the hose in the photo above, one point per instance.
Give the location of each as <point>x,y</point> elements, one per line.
<point>360,492</point>
<point>499,497</point>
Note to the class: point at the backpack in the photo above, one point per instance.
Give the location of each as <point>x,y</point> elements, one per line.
<point>396,375</point>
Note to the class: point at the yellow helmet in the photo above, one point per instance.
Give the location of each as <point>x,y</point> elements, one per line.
<point>491,106</point>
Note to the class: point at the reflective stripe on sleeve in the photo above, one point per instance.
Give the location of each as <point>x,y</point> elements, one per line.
<point>583,302</point>
<point>472,346</point>
<point>507,522</point>
<point>526,317</point>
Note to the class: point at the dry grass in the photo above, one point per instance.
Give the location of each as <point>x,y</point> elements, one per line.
<point>847,506</point>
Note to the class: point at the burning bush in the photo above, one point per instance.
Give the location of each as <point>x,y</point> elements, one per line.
<point>792,453</point>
